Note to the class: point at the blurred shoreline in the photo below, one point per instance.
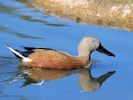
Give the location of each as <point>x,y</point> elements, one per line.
<point>111,13</point>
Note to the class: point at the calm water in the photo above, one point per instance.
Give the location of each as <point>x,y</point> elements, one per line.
<point>22,25</point>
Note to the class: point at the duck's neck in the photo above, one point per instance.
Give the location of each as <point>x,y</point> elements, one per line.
<point>85,54</point>
<point>84,57</point>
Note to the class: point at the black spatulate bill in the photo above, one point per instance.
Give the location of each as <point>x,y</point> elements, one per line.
<point>105,51</point>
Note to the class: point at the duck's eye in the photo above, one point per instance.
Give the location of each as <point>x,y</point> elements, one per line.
<point>94,41</point>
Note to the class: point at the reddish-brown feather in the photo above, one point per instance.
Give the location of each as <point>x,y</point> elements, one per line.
<point>50,59</point>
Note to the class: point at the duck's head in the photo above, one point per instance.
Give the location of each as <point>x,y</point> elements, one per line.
<point>89,44</point>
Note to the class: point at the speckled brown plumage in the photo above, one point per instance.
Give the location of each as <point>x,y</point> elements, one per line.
<point>51,59</point>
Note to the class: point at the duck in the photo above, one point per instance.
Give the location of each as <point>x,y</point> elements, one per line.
<point>48,58</point>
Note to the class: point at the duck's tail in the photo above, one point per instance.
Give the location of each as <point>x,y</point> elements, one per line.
<point>18,54</point>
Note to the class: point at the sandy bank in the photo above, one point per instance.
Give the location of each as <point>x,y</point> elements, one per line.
<point>113,13</point>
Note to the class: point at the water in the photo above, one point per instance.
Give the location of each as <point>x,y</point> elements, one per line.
<point>22,25</point>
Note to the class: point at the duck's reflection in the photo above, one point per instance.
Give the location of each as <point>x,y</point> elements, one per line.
<point>91,84</point>
<point>86,81</point>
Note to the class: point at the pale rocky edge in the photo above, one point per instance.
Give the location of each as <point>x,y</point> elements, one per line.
<point>100,12</point>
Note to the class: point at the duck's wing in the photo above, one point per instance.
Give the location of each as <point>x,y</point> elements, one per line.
<point>30,50</point>
<point>33,48</point>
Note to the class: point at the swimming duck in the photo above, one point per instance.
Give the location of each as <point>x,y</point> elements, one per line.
<point>52,59</point>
